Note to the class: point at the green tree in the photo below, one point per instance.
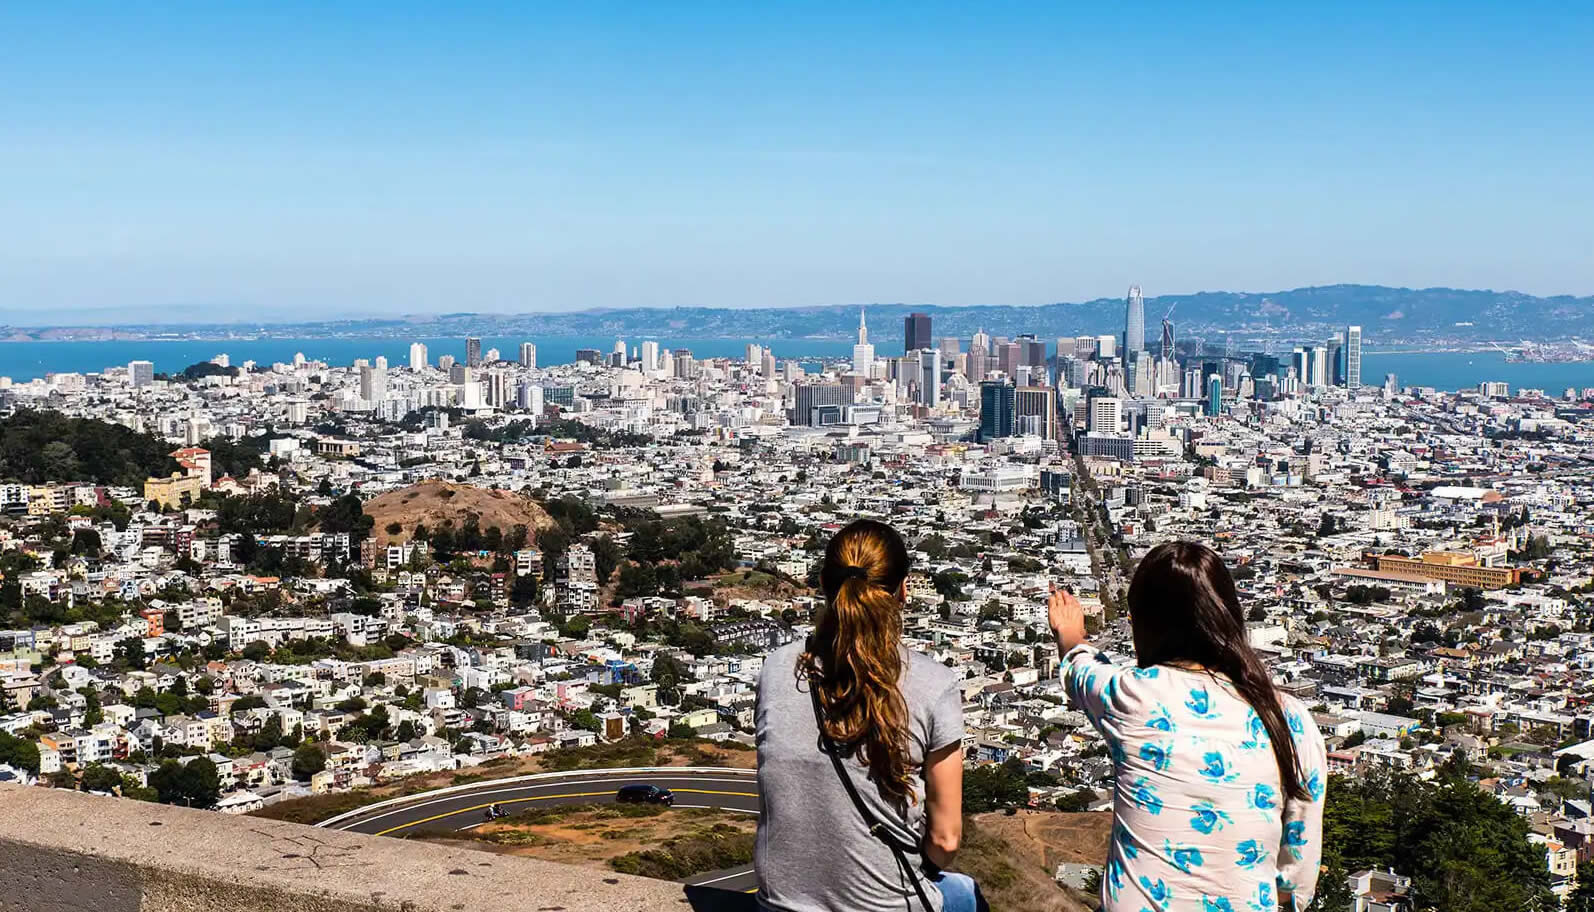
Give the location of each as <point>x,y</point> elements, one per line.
<point>993,787</point>
<point>194,784</point>
<point>308,759</point>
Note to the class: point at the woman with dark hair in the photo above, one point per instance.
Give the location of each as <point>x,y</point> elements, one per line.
<point>860,751</point>
<point>1219,796</point>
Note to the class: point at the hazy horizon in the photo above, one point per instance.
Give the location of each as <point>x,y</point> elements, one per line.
<point>277,164</point>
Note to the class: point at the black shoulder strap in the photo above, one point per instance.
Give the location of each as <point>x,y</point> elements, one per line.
<point>877,829</point>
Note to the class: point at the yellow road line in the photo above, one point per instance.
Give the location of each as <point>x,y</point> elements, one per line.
<point>405,826</point>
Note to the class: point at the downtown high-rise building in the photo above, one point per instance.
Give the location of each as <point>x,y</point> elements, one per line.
<point>915,332</point>
<point>929,378</point>
<point>1035,411</point>
<point>473,351</point>
<point>417,356</point>
<point>1134,322</point>
<point>1214,403</point>
<point>650,356</point>
<point>1353,356</point>
<point>528,354</point>
<point>996,409</point>
<point>862,351</point>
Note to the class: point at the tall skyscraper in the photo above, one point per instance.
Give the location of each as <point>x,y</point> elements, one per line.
<point>1105,414</point>
<point>863,352</point>
<point>141,373</point>
<point>373,383</point>
<point>930,377</point>
<point>1214,396</point>
<point>650,356</point>
<point>417,356</point>
<point>1035,411</point>
<point>1167,339</point>
<point>1353,356</point>
<point>528,354</point>
<point>473,351</point>
<point>915,332</point>
<point>996,409</point>
<point>1134,322</point>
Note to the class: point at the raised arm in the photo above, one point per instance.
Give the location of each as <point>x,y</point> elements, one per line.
<point>1091,682</point>
<point>1301,849</point>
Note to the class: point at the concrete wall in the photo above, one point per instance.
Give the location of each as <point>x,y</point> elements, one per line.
<point>71,852</point>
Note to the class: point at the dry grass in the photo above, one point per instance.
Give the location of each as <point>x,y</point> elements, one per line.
<point>641,839</point>
<point>1013,858</point>
<point>438,503</point>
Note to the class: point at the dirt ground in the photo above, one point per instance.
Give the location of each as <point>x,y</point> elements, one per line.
<point>1013,858</point>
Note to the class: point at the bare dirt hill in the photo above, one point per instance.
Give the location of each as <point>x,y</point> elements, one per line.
<point>1013,857</point>
<point>438,503</point>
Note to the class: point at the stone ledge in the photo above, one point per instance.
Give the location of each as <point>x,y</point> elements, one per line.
<point>66,851</point>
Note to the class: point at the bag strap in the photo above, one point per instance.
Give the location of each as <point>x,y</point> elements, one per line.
<point>877,829</point>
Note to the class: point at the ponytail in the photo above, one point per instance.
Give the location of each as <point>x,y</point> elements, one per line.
<point>854,659</point>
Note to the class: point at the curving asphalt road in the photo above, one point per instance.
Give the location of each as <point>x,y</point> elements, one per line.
<point>465,807</point>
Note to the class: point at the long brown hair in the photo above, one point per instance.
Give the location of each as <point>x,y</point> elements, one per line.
<point>854,658</point>
<point>1183,607</point>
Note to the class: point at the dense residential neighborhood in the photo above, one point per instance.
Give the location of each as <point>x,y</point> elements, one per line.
<point>244,584</point>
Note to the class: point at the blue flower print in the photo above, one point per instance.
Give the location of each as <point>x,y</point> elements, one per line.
<point>1297,727</point>
<point>1216,904</point>
<point>1126,842</point>
<point>1115,877</point>
<point>1200,703</point>
<point>1263,798</point>
<point>1160,720</point>
<point>1314,785</point>
<point>1216,768</point>
<point>1256,732</point>
<point>1295,837</point>
<point>1146,796</point>
<point>1158,891</point>
<point>1146,674</point>
<point>1208,818</point>
<point>1184,858</point>
<point>1252,853</point>
<point>1264,898</point>
<point>1160,756</point>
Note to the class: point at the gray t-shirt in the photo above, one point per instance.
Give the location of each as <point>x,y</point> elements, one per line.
<point>814,853</point>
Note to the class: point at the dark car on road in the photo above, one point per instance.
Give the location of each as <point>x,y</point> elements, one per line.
<point>644,794</point>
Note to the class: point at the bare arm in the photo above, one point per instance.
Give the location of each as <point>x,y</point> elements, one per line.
<point>943,781</point>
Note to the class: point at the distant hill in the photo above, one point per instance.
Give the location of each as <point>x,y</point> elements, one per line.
<point>437,504</point>
<point>1389,315</point>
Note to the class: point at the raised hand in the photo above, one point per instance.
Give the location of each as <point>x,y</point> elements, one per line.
<point>1067,618</point>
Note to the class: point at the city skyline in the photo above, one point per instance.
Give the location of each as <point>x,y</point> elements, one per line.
<point>228,164</point>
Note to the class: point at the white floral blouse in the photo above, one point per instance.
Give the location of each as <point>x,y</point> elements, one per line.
<point>1200,822</point>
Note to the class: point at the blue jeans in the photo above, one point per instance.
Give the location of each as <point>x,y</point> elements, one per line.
<point>959,893</point>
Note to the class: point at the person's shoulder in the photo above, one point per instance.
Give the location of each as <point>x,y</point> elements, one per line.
<point>781,661</point>
<point>930,674</point>
<point>1298,716</point>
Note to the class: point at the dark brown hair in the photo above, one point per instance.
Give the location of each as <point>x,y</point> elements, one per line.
<point>854,658</point>
<point>1183,608</point>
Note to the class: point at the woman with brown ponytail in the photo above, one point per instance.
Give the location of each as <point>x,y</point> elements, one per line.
<point>860,759</point>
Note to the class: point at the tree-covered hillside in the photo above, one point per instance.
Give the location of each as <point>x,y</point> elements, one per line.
<point>39,446</point>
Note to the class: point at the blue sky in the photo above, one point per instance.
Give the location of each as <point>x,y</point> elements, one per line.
<point>278,161</point>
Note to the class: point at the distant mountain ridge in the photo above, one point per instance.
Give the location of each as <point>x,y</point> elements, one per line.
<point>1432,315</point>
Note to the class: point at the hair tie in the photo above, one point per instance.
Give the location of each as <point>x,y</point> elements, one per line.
<point>856,573</point>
